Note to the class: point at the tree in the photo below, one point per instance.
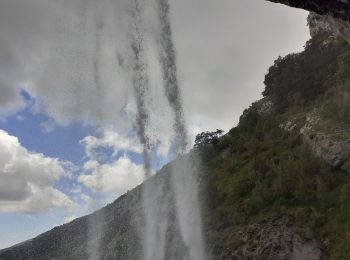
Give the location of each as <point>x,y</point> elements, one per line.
<point>298,79</point>
<point>205,138</point>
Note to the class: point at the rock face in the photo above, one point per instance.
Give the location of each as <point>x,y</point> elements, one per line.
<point>336,8</point>
<point>275,239</point>
<point>318,23</point>
<point>335,26</point>
<point>331,145</point>
<point>336,13</point>
<point>333,149</point>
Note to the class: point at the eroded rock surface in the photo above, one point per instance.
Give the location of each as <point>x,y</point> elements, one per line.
<point>275,239</point>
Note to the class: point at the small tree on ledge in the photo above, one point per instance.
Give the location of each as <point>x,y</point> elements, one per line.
<point>205,138</point>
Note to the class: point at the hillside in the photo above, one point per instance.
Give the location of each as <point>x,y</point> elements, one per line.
<point>282,175</point>
<point>121,223</point>
<point>277,186</point>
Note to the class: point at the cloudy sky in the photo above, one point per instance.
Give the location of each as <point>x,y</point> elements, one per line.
<point>67,144</point>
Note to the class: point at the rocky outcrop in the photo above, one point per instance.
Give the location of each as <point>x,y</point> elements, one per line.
<point>318,23</point>
<point>336,8</point>
<point>336,13</point>
<point>274,239</point>
<point>331,145</point>
<point>336,27</point>
<point>333,148</point>
<point>342,28</point>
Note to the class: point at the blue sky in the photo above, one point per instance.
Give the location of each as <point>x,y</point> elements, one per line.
<point>64,143</point>
<point>61,142</point>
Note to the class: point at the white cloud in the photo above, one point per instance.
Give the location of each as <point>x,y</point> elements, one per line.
<point>27,179</point>
<point>69,218</point>
<point>110,139</point>
<point>115,178</point>
<point>76,189</point>
<point>47,45</point>
<point>224,49</point>
<point>89,202</point>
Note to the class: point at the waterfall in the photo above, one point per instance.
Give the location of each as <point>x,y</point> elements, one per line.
<point>110,49</point>
<point>184,172</point>
<point>168,62</point>
<point>155,216</point>
<point>183,175</point>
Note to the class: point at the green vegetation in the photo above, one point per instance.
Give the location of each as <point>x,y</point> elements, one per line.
<point>259,171</point>
<point>299,79</point>
<point>205,138</point>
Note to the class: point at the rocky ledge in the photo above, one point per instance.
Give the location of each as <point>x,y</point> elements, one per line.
<point>336,13</point>
<point>336,8</point>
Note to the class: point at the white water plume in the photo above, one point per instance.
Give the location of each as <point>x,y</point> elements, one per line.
<point>135,62</point>
<point>155,212</point>
<point>95,234</point>
<point>185,171</point>
<point>156,208</point>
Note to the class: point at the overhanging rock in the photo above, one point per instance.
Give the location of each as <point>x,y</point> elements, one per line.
<point>336,8</point>
<point>337,12</point>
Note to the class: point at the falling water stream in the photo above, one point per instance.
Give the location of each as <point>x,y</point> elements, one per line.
<point>111,50</point>
<point>183,173</point>
<point>156,211</point>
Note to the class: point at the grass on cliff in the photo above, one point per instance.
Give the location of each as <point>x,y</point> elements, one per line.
<point>259,171</point>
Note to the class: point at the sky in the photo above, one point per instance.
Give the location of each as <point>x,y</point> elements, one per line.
<point>67,144</point>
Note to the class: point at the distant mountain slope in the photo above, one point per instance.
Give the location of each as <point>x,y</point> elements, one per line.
<point>285,169</point>
<point>122,225</point>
